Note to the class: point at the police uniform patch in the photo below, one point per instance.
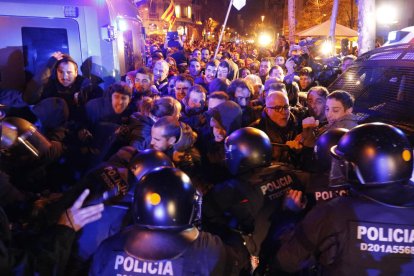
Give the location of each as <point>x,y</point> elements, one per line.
<point>127,265</point>
<point>380,239</point>
<point>274,185</point>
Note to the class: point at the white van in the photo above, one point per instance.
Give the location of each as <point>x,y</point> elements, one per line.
<point>402,36</point>
<point>105,36</point>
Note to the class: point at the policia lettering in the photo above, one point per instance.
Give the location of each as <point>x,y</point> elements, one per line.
<point>391,239</point>
<point>129,264</point>
<point>277,188</point>
<point>327,195</point>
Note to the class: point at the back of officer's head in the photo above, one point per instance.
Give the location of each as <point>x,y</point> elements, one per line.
<point>147,160</point>
<point>165,199</point>
<point>247,148</point>
<point>375,154</point>
<point>323,147</point>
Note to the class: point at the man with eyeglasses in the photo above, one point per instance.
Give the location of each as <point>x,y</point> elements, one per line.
<point>280,125</point>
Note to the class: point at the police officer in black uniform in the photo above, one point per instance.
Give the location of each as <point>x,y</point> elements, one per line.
<point>371,232</point>
<point>326,182</point>
<point>113,183</point>
<point>163,240</point>
<point>25,248</point>
<point>259,197</point>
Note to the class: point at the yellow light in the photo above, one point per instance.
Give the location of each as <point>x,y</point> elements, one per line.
<point>189,12</point>
<point>387,14</point>
<point>326,48</point>
<point>154,198</point>
<point>264,39</point>
<point>178,11</point>
<point>406,155</point>
<point>122,25</point>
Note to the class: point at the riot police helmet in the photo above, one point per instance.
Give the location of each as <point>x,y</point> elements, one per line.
<point>247,148</point>
<point>145,161</point>
<point>22,138</point>
<point>375,154</point>
<point>323,147</point>
<point>165,199</point>
<point>165,204</point>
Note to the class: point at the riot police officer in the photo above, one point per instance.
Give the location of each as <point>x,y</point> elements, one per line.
<point>112,183</point>
<point>371,231</point>
<point>163,240</point>
<point>34,245</point>
<point>326,183</point>
<point>259,197</point>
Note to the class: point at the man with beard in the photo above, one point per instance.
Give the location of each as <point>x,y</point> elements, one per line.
<point>60,78</point>
<point>144,79</point>
<point>209,76</point>
<point>195,68</point>
<point>240,92</point>
<point>183,83</point>
<point>205,55</point>
<point>112,108</point>
<point>194,107</point>
<point>264,69</point>
<point>233,68</point>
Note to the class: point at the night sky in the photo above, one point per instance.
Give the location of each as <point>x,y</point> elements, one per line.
<point>251,12</point>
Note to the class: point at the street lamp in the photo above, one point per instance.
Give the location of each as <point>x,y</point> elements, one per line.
<point>263,17</point>
<point>387,14</point>
<point>264,39</point>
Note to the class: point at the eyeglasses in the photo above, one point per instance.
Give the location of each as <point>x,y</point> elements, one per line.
<point>279,108</point>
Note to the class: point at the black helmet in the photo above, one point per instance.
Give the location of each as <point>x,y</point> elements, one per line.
<point>247,148</point>
<point>375,153</point>
<point>22,137</point>
<point>145,161</point>
<point>165,199</point>
<point>323,147</point>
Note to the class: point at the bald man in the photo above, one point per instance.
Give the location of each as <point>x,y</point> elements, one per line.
<point>279,124</point>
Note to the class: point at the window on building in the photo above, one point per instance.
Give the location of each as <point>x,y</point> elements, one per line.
<point>189,13</point>
<point>178,11</point>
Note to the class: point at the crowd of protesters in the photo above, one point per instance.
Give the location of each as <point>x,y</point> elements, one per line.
<point>184,103</point>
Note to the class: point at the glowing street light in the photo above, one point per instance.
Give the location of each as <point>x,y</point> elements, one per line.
<point>326,48</point>
<point>263,17</point>
<point>387,14</point>
<point>264,39</point>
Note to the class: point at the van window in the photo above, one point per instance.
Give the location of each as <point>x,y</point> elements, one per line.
<point>40,43</point>
<point>381,93</point>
